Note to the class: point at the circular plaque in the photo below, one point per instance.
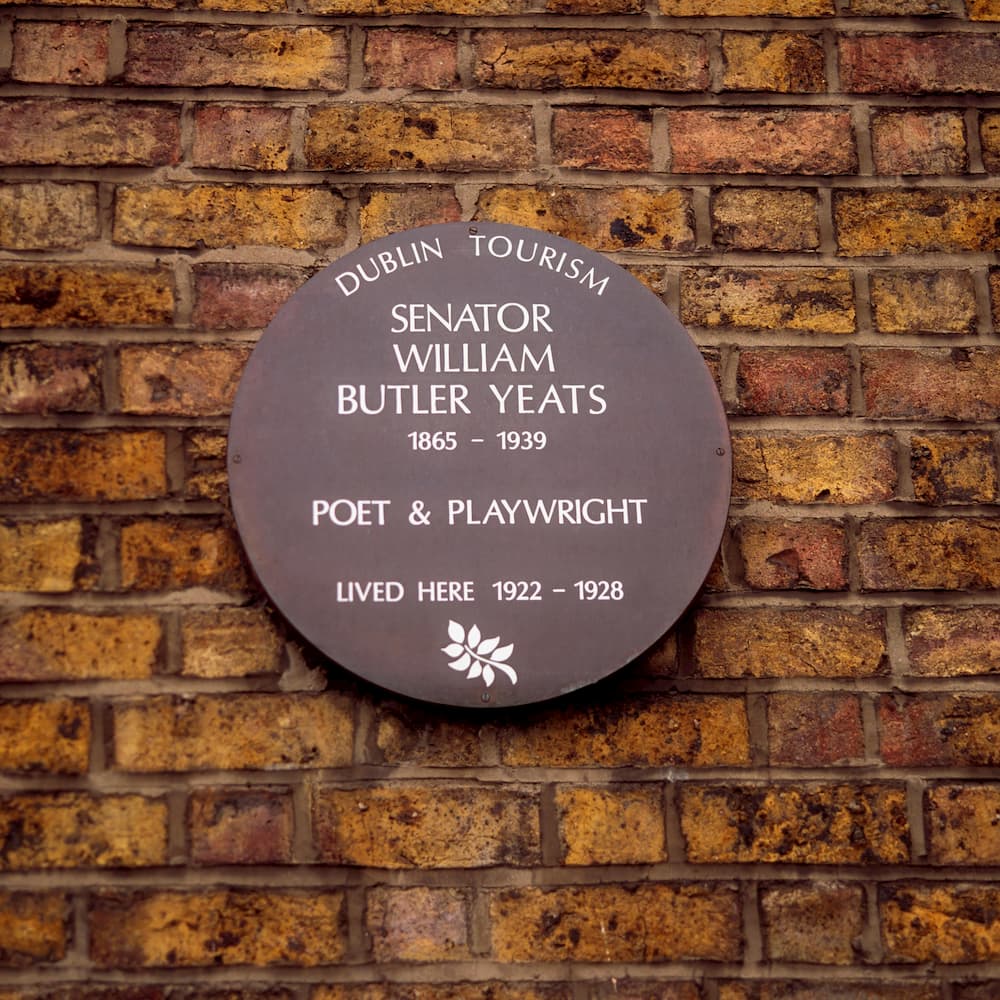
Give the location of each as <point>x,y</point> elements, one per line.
<point>478,464</point>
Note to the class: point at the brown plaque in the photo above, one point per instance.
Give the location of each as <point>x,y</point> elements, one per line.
<point>478,464</point>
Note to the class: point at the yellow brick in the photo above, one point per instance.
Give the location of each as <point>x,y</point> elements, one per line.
<point>45,736</point>
<point>44,556</point>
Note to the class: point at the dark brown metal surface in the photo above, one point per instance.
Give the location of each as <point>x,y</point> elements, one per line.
<point>534,505</point>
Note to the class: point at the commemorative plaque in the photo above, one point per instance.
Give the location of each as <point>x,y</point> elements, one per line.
<point>478,465</point>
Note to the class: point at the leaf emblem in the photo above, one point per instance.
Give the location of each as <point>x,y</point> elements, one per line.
<point>468,650</point>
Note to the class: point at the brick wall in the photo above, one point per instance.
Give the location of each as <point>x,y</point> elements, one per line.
<point>793,795</point>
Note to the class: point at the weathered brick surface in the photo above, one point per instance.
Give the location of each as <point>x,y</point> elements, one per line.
<point>783,62</point>
<point>911,301</point>
<point>45,736</point>
<point>793,555</point>
<point>932,730</point>
<point>242,138</point>
<point>940,923</point>
<point>276,731</point>
<point>650,922</point>
<point>50,644</point>
<point>34,927</point>
<point>942,384</point>
<point>879,223</point>
<point>217,927</point>
<point>790,383</point>
<point>53,52</point>
<point>962,823</point>
<point>623,218</point>
<point>383,137</point>
<point>52,556</point>
<point>424,827</point>
<point>954,468</point>
<point>789,642</point>
<point>739,8</point>
<point>952,642</point>
<point>418,924</point>
<point>424,59</point>
<point>385,211</point>
<point>81,830</point>
<point>989,134</point>
<point>241,296</point>
<point>45,378</point>
<point>184,56</point>
<point>621,824</point>
<point>938,554</point>
<point>812,299</point>
<point>642,60</point>
<point>413,734</point>
<point>223,215</point>
<point>810,730</point>
<point>77,295</point>
<point>63,465</point>
<point>758,219</point>
<point>240,826</point>
<point>205,466</point>
<point>816,922</point>
<point>848,469</point>
<point>852,989</point>
<point>815,824</point>
<point>602,138</point>
<point>43,216</point>
<point>89,133</point>
<point>229,642</point>
<point>640,732</point>
<point>919,64</point>
<point>762,142</point>
<point>919,142</point>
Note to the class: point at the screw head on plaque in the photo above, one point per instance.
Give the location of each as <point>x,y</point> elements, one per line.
<point>478,464</point>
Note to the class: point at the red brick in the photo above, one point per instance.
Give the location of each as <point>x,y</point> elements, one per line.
<point>418,924</point>
<point>954,468</point>
<point>424,826</point>
<point>57,830</point>
<point>178,552</point>
<point>384,137</point>
<point>814,142</point>
<point>217,927</point>
<point>813,299</point>
<point>84,295</point>
<point>786,382</point>
<point>930,554</point>
<point>638,219</point>
<point>789,642</point>
<point>819,824</point>
<point>49,557</point>
<point>242,137</point>
<point>42,644</point>
<point>595,6</point>
<point>962,823</point>
<point>44,215</point>
<point>240,826</point>
<point>919,142</point>
<point>813,922</point>
<point>805,469</point>
<point>455,8</point>
<point>225,215</point>
<point>881,223</point>
<point>262,732</point>
<point>46,736</point>
<point>912,301</point>
<point>652,922</point>
<point>35,927</point>
<point>740,8</point>
<point>602,138</point>
<point>489,989</point>
<point>390,210</point>
<point>639,731</point>
<point>814,730</point>
<point>50,378</point>
<point>82,467</point>
<point>782,62</point>
<point>793,555</point>
<point>953,642</point>
<point>631,60</point>
<point>920,64</point>
<point>50,52</point>
<point>421,58</point>
<point>958,384</point>
<point>928,730</point>
<point>759,219</point>
<point>829,989</point>
<point>88,133</point>
<point>241,296</point>
<point>186,56</point>
<point>948,923</point>
<point>195,380</point>
<point>611,825</point>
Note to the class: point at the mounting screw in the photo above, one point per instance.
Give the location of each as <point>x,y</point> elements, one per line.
<point>486,696</point>
<point>720,451</point>
<point>237,459</point>
<point>473,230</point>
